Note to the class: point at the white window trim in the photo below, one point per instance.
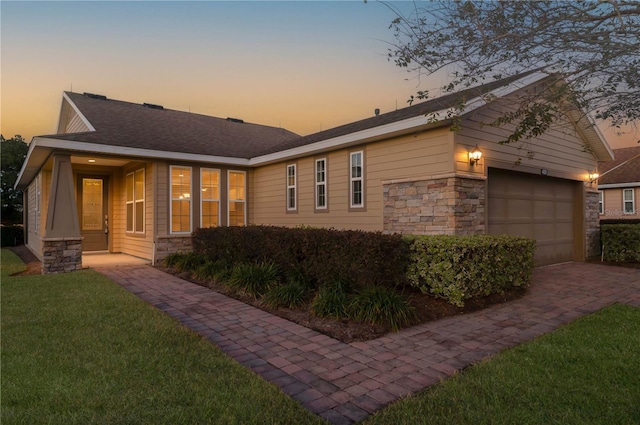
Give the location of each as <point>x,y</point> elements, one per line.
<point>171,199</point>
<point>293,186</point>
<point>601,202</point>
<point>632,200</point>
<point>321,183</point>
<point>136,201</point>
<point>354,179</point>
<point>202,200</point>
<point>37,199</point>
<point>229,198</point>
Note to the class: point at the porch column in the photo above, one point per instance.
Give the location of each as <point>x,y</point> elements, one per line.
<point>62,241</point>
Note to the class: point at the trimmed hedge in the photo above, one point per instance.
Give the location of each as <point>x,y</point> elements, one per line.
<point>318,255</point>
<point>621,242</point>
<point>11,235</point>
<point>457,268</point>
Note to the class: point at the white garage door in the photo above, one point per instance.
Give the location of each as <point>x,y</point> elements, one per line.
<point>537,207</point>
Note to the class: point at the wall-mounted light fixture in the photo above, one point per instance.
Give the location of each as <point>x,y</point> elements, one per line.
<point>593,176</point>
<point>91,161</point>
<point>475,155</point>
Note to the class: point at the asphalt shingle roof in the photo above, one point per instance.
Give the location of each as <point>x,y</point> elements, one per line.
<point>627,173</point>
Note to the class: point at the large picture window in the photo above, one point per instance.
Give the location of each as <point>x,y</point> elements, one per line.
<point>356,179</point>
<point>629,201</point>
<point>180,199</point>
<point>209,197</point>
<point>291,187</point>
<point>321,184</point>
<point>237,198</point>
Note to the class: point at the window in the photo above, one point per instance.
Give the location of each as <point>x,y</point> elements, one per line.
<point>135,201</point>
<point>180,199</point>
<point>601,202</point>
<point>237,203</point>
<point>321,184</point>
<point>210,197</point>
<point>291,187</point>
<point>629,202</point>
<point>356,180</point>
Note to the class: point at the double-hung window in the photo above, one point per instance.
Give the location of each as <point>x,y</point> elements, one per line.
<point>629,201</point>
<point>209,197</point>
<point>292,190</point>
<point>180,199</point>
<point>356,180</point>
<point>321,184</point>
<point>135,201</point>
<point>237,201</point>
<point>601,202</point>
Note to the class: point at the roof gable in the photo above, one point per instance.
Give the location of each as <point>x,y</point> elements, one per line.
<point>625,168</point>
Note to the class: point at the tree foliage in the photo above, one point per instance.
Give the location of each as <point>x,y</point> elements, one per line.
<point>593,45</point>
<point>13,153</point>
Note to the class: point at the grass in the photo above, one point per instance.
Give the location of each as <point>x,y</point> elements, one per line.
<point>78,349</point>
<point>585,373</point>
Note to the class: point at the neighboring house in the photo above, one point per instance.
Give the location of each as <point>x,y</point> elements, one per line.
<point>619,185</point>
<point>138,179</point>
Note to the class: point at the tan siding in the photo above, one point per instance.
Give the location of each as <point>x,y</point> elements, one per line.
<point>403,157</point>
<point>560,150</point>
<point>614,204</point>
<point>135,244</point>
<point>74,123</point>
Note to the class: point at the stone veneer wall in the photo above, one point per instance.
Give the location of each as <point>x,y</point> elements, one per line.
<point>592,222</point>
<point>450,205</point>
<point>61,255</point>
<point>171,244</point>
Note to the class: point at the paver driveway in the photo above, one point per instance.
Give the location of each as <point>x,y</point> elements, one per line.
<point>345,383</point>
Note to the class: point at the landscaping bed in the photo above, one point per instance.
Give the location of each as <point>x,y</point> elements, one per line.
<point>425,307</point>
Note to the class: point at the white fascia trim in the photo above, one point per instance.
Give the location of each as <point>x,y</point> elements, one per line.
<point>398,126</point>
<point>32,146</point>
<point>618,185</point>
<point>75,108</point>
<point>125,151</point>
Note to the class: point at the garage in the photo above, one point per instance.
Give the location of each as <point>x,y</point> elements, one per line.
<point>538,207</point>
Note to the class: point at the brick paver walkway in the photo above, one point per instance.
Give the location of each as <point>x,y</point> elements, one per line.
<point>345,383</point>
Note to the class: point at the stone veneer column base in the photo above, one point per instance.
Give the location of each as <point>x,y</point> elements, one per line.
<point>446,204</point>
<point>61,255</point>
<point>171,244</point>
<point>592,222</point>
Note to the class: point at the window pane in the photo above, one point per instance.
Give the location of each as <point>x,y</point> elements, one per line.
<point>139,188</point>
<point>236,213</point>
<point>321,196</point>
<point>236,186</point>
<point>91,204</point>
<point>210,184</point>
<point>180,217</point>
<point>129,187</point>
<point>356,165</point>
<point>140,216</point>
<point>357,192</point>
<point>130,217</point>
<point>628,194</point>
<point>210,214</point>
<point>180,183</point>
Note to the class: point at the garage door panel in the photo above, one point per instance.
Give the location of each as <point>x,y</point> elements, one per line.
<point>533,206</point>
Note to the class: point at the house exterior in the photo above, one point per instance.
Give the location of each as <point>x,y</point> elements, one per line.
<point>138,179</point>
<point>619,185</point>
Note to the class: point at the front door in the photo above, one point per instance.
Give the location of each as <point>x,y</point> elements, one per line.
<point>94,219</point>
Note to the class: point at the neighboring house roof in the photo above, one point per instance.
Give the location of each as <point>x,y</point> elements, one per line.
<point>623,170</point>
<point>132,125</point>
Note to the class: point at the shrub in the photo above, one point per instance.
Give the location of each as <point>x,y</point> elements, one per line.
<point>381,306</point>
<point>621,242</point>
<point>320,255</point>
<point>172,259</point>
<point>254,279</point>
<point>189,262</point>
<point>457,268</point>
<point>211,270</point>
<point>291,295</point>
<point>332,300</point>
<point>11,235</point>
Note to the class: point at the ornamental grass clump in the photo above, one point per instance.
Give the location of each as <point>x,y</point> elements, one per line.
<point>254,279</point>
<point>189,262</point>
<point>293,294</point>
<point>332,300</point>
<point>380,305</point>
<point>212,270</point>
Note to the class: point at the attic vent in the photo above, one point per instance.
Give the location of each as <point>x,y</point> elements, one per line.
<point>95,96</point>
<point>238,120</point>
<point>152,106</point>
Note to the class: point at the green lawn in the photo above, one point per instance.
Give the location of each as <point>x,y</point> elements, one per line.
<point>76,348</point>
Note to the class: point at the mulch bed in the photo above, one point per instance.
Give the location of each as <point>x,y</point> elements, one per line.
<point>426,308</point>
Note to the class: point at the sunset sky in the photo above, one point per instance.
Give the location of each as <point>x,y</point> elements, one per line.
<point>305,66</point>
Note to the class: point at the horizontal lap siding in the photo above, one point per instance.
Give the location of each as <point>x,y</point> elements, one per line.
<point>560,150</point>
<point>614,203</point>
<point>129,243</point>
<point>403,157</point>
<point>75,123</point>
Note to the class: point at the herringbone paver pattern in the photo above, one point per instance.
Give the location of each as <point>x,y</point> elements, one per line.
<point>345,383</point>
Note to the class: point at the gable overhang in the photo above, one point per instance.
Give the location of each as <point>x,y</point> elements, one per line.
<point>618,185</point>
